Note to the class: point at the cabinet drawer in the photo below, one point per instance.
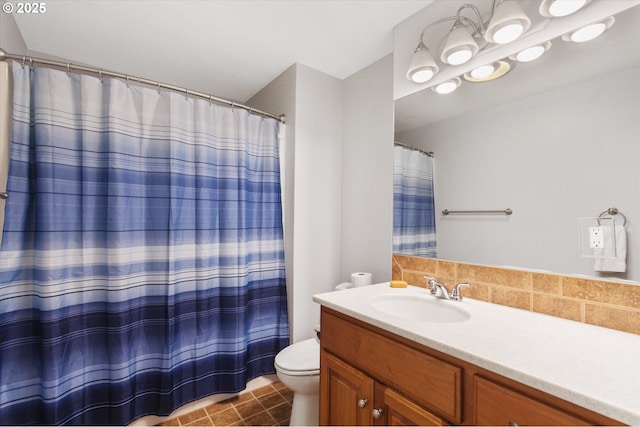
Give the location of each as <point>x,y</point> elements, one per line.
<point>498,405</point>
<point>426,380</point>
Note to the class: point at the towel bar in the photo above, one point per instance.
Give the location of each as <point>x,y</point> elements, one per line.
<point>505,212</point>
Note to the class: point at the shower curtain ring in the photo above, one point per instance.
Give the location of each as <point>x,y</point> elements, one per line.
<point>69,69</point>
<point>101,76</point>
<point>127,77</point>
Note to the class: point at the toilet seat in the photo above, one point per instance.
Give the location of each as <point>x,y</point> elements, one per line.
<point>299,359</point>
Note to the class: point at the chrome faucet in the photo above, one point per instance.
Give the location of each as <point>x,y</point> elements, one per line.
<point>439,290</point>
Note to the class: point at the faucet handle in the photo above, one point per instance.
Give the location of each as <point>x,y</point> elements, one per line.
<point>455,293</point>
<point>431,283</point>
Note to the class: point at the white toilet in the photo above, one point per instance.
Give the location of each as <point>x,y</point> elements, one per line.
<point>298,367</point>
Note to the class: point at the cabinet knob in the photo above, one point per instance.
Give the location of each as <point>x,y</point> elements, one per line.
<point>377,413</point>
<point>513,424</point>
<point>362,403</point>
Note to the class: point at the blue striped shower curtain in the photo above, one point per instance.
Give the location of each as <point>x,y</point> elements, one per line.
<point>142,261</point>
<point>414,223</point>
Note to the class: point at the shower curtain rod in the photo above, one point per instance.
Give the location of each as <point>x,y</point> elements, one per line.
<point>129,78</point>
<point>428,153</point>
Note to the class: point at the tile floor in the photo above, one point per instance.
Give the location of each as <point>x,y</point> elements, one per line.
<point>266,406</point>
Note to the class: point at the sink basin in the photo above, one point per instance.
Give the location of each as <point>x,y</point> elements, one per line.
<point>418,307</point>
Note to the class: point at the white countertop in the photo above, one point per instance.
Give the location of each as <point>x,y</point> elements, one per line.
<point>591,366</point>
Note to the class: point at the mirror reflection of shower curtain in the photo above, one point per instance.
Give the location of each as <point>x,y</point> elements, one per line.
<point>414,227</point>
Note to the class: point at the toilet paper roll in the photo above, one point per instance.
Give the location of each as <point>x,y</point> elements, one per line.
<point>361,279</point>
<point>343,286</point>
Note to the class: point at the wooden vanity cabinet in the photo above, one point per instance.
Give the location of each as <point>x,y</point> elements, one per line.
<point>352,398</point>
<point>364,368</point>
<point>407,384</point>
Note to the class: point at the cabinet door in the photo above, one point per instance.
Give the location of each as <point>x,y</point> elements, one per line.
<point>423,378</point>
<point>498,405</point>
<point>346,394</point>
<point>402,412</point>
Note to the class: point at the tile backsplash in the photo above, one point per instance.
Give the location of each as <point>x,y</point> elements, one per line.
<point>610,304</point>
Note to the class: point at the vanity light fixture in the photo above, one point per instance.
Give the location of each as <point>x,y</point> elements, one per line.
<point>447,86</point>
<point>508,22</point>
<point>505,23</point>
<point>558,8</point>
<point>590,31</point>
<point>531,53</point>
<point>468,36</point>
<point>423,67</point>
<point>461,45</point>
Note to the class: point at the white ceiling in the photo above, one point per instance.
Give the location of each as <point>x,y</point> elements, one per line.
<point>228,48</point>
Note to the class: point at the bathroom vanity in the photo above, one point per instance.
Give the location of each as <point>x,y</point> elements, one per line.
<point>383,364</point>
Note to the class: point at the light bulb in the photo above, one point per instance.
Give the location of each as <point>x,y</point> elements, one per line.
<point>489,72</point>
<point>508,33</point>
<point>559,8</point>
<point>459,57</point>
<point>532,53</point>
<point>589,32</point>
<point>448,86</point>
<point>565,7</point>
<point>482,71</point>
<point>422,76</point>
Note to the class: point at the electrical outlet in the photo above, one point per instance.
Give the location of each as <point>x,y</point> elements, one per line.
<point>596,240</point>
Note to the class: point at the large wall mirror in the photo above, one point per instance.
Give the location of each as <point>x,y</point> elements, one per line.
<point>555,140</point>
